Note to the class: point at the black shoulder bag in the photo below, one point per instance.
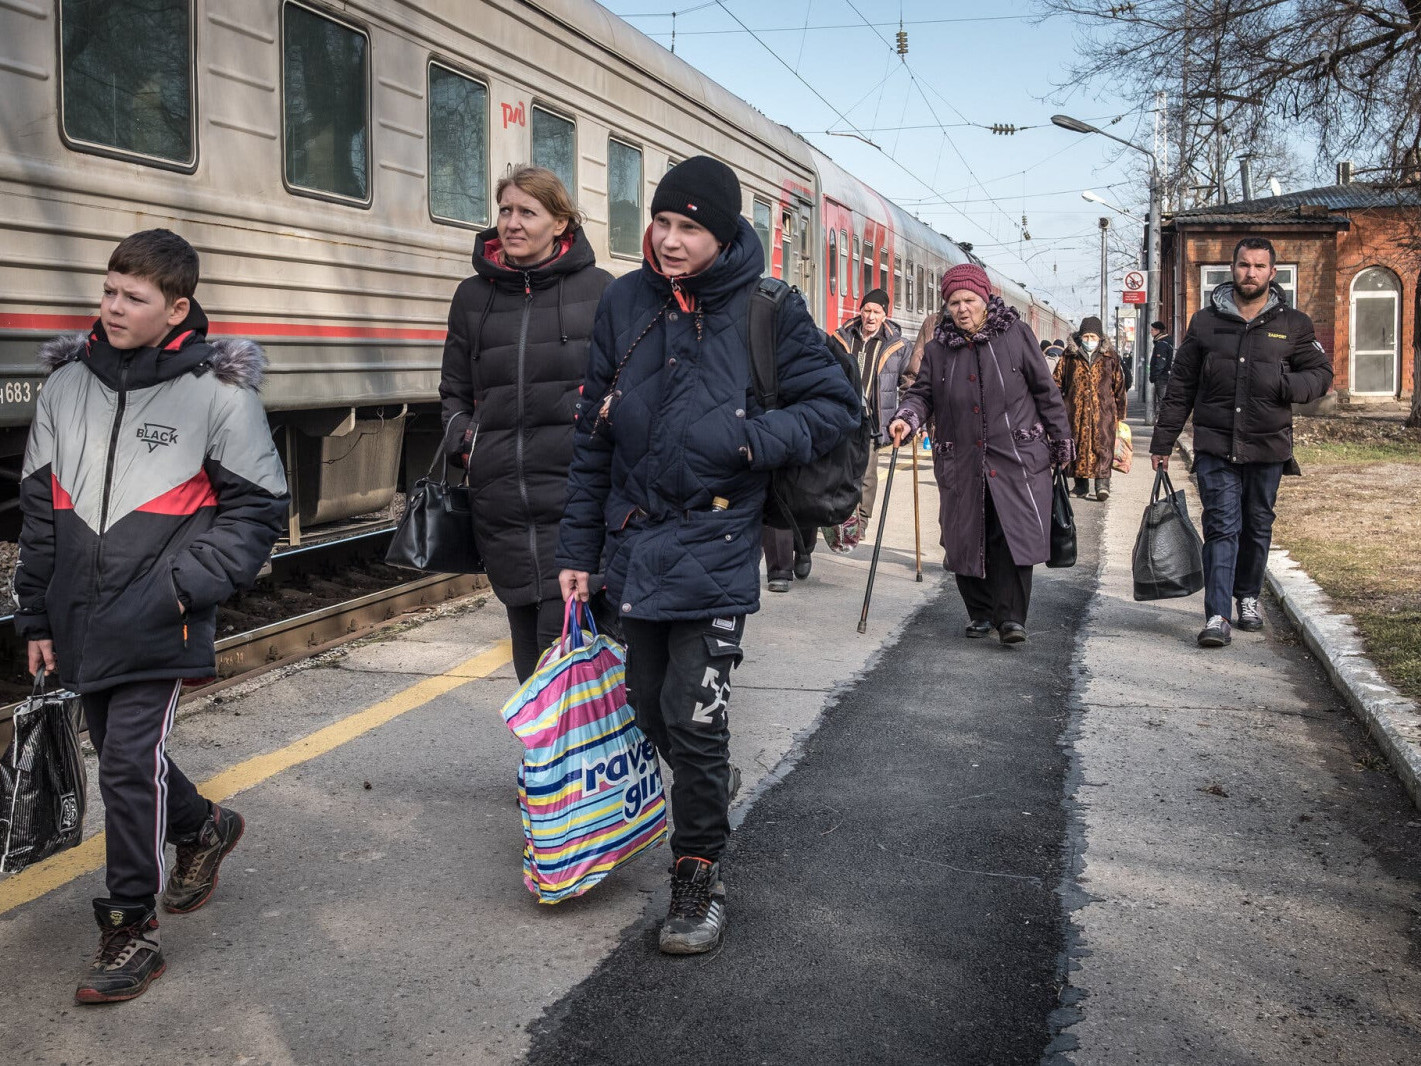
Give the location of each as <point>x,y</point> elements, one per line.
<point>436,532</point>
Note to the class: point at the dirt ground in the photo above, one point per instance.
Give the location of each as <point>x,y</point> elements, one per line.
<point>1353,521</point>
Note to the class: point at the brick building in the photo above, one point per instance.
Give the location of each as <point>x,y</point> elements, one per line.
<point>1348,254</point>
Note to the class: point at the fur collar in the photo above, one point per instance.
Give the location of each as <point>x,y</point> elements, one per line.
<point>233,360</point>
<point>1000,318</point>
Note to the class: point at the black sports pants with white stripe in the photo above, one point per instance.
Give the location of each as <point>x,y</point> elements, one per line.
<point>146,797</point>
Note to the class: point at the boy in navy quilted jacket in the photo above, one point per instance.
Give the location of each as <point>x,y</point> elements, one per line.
<point>151,491</point>
<point>671,463</point>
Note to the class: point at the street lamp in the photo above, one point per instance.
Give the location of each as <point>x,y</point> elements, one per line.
<point>1096,198</point>
<point>1104,275</point>
<point>1152,272</point>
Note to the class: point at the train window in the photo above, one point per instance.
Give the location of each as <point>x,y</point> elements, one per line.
<point>326,97</point>
<point>763,230</point>
<point>844,262</point>
<point>867,268</point>
<point>833,262</point>
<point>898,278</point>
<point>624,198</point>
<point>883,271</point>
<point>922,290</point>
<point>555,146</point>
<point>126,78</point>
<point>910,296</point>
<point>458,147</point>
<point>854,273</point>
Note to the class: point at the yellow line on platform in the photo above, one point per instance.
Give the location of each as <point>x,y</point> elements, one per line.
<point>60,869</point>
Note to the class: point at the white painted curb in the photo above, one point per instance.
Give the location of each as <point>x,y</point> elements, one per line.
<point>1390,717</point>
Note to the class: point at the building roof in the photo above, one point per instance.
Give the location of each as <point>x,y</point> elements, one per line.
<point>1286,209</point>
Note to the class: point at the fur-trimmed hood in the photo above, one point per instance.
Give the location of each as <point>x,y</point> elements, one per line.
<point>233,360</point>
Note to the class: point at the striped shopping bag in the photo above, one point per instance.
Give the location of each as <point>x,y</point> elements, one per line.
<point>590,784</point>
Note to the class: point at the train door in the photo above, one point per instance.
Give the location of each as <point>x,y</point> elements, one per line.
<point>796,256</point>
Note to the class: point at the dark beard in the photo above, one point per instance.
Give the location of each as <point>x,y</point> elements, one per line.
<point>1251,296</point>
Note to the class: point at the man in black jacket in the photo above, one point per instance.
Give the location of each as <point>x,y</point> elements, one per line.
<point>1246,359</point>
<point>1161,359</point>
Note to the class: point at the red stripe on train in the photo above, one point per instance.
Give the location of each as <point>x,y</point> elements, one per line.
<point>187,498</point>
<point>242,329</point>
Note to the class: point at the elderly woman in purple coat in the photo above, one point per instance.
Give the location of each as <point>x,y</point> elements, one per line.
<point>1000,426</point>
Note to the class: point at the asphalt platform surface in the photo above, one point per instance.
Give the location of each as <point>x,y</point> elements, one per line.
<point>893,895</point>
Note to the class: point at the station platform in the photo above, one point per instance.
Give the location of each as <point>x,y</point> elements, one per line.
<point>1104,846</point>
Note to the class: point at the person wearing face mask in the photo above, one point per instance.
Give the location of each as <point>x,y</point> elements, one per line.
<point>1093,384</point>
<point>671,466</point>
<point>514,358</point>
<point>1000,428</point>
<point>876,344</point>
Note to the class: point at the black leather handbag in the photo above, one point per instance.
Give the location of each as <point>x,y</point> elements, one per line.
<point>1063,524</point>
<point>436,532</point>
<point>1168,560</point>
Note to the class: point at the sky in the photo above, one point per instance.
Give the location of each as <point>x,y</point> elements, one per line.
<point>969,66</point>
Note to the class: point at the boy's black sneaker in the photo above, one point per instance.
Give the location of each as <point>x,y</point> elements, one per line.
<point>697,914</point>
<point>130,956</point>
<point>1250,618</point>
<point>194,876</point>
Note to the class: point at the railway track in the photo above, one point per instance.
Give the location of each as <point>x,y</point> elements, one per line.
<point>311,599</point>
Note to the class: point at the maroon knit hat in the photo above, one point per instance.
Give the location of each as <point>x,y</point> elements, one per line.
<point>967,276</point>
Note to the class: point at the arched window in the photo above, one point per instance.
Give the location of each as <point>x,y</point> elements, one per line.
<point>1376,305</point>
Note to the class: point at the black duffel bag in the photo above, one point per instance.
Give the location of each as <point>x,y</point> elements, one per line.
<point>1169,555</point>
<point>42,780</point>
<point>1063,524</point>
<point>436,532</point>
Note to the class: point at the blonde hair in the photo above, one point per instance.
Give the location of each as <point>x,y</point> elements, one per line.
<point>545,187</point>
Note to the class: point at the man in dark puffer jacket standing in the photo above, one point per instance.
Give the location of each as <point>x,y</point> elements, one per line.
<point>671,462</point>
<point>1247,358</point>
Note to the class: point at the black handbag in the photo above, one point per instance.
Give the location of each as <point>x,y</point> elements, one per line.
<point>1168,560</point>
<point>1063,524</point>
<point>436,532</point>
<point>42,780</point>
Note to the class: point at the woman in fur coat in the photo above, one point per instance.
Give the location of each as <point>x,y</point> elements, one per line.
<point>1092,382</point>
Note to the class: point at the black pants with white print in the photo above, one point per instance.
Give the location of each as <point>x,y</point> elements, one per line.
<point>147,798</point>
<point>678,682</point>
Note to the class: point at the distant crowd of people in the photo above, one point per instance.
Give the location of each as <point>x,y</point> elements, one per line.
<point>616,450</point>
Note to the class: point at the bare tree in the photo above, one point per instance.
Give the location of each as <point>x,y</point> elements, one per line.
<point>1241,75</point>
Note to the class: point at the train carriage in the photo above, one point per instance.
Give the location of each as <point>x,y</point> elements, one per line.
<point>331,164</point>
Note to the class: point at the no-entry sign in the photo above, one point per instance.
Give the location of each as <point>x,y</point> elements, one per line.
<point>1134,279</point>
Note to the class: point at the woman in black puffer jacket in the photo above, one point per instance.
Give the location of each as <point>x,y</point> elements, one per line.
<point>514,361</point>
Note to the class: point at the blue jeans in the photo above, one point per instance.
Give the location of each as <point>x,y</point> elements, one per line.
<point>1238,527</point>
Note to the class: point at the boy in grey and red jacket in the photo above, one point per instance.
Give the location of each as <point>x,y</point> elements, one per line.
<point>151,491</point>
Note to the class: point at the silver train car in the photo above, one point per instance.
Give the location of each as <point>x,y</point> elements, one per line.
<point>331,164</point>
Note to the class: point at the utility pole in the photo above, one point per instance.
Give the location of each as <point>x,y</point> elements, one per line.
<point>1104,274</point>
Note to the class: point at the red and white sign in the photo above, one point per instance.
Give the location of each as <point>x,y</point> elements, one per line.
<point>1136,297</point>
<point>1134,279</point>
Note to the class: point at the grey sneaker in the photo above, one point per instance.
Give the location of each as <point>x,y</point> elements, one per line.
<point>130,955</point>
<point>696,918</point>
<point>1250,618</point>
<point>1215,633</point>
<point>194,875</point>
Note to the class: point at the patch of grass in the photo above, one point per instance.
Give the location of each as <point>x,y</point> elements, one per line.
<point>1332,453</point>
<point>1394,644</point>
<point>1353,523</point>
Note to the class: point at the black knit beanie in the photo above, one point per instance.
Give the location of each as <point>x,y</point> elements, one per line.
<point>876,296</point>
<point>1091,324</point>
<point>705,190</point>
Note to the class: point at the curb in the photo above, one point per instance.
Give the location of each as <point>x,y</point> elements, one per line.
<point>1393,720</point>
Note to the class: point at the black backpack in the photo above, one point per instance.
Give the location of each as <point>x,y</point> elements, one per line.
<point>825,491</point>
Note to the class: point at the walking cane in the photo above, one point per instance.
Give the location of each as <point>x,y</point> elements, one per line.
<point>917,518</point>
<point>878,543</point>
